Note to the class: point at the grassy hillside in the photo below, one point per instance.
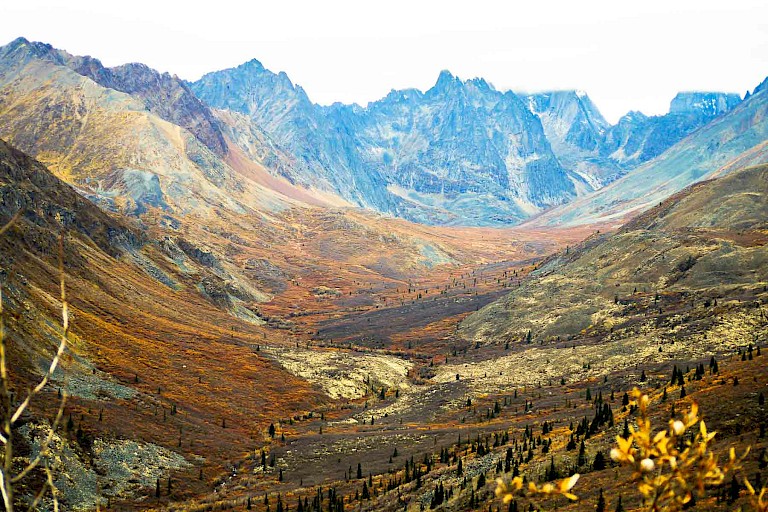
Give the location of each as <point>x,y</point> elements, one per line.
<point>704,243</point>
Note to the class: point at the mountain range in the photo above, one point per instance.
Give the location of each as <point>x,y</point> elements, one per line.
<point>461,153</point>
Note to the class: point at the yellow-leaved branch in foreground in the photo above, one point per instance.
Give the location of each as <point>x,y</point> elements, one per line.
<point>670,466</point>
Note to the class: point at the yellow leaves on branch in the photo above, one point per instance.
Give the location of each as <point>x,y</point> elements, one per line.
<point>507,491</point>
<point>759,502</point>
<point>670,465</point>
<point>673,463</point>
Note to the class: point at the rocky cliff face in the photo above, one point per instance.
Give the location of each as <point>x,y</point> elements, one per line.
<point>638,138</point>
<point>576,130</point>
<point>705,104</point>
<point>728,142</point>
<point>461,152</point>
<point>323,157</point>
<point>600,153</point>
<point>464,137</point>
<point>569,117</point>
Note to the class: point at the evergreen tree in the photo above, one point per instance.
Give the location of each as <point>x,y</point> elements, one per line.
<point>600,503</point>
<point>582,460</point>
<point>599,463</point>
<point>734,489</point>
<point>552,473</point>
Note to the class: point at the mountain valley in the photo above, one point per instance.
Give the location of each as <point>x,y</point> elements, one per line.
<point>278,305</point>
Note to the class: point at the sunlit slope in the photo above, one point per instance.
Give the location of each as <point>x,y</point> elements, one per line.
<point>144,335</point>
<point>706,241</point>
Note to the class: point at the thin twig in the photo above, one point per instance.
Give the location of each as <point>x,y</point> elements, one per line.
<point>43,452</point>
<point>3,372</point>
<point>38,498</point>
<point>62,344</point>
<point>54,490</point>
<point>5,396</point>
<point>7,480</point>
<point>6,496</point>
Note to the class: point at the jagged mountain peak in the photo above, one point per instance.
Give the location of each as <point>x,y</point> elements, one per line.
<point>763,86</point>
<point>252,63</point>
<point>707,103</point>
<point>632,116</point>
<point>400,96</point>
<point>445,76</point>
<point>447,82</point>
<point>564,99</point>
<point>575,128</point>
<point>253,79</point>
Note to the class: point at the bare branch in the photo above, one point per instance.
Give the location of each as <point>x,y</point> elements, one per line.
<point>5,470</point>
<point>62,344</point>
<point>7,479</point>
<point>54,490</point>
<point>4,489</point>
<point>43,452</point>
<point>48,485</point>
<point>3,371</point>
<point>38,497</point>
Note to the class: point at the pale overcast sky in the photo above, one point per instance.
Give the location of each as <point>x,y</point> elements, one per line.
<point>625,55</point>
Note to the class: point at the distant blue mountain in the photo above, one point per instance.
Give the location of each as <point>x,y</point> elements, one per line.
<point>461,152</point>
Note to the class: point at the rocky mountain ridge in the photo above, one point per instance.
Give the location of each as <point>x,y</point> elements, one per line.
<point>164,95</point>
<point>462,151</point>
<point>728,142</point>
